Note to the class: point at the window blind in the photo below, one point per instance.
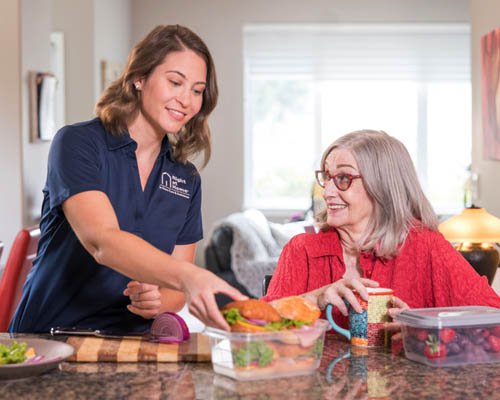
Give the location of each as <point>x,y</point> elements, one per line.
<point>415,52</point>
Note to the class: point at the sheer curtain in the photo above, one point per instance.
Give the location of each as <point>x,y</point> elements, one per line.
<point>307,84</point>
<point>427,52</point>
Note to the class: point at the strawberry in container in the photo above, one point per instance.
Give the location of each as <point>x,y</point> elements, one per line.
<point>451,336</point>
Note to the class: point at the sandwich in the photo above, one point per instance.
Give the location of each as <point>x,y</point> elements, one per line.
<point>293,344</point>
<point>252,316</point>
<point>304,314</point>
<point>296,308</point>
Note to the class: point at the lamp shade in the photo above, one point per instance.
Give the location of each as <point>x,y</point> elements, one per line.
<point>473,225</point>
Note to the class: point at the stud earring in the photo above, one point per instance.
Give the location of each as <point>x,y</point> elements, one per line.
<point>137,86</point>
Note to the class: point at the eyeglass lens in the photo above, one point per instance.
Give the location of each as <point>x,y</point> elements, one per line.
<point>342,181</point>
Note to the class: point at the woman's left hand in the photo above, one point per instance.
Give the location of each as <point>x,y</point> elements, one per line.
<point>145,299</point>
<point>398,306</point>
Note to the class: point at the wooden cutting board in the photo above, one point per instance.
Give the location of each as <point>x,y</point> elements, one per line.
<point>94,349</point>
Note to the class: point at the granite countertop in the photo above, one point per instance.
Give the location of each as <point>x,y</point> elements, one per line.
<point>345,373</point>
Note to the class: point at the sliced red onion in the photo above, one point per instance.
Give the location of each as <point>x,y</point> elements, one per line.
<point>168,327</point>
<point>167,339</point>
<point>257,321</point>
<point>37,359</point>
<point>34,359</point>
<point>306,327</point>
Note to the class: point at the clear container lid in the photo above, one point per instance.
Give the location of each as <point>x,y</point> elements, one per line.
<point>450,316</point>
<point>319,326</point>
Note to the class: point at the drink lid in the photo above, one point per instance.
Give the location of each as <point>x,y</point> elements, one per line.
<point>379,291</point>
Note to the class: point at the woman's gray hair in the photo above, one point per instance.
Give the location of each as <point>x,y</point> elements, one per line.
<point>390,179</point>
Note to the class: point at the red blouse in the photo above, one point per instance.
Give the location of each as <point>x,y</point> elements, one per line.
<point>428,272</point>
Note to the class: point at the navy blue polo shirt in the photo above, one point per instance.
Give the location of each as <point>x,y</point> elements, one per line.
<point>66,286</point>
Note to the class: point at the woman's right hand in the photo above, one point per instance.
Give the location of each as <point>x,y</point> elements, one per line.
<point>200,287</point>
<point>336,292</point>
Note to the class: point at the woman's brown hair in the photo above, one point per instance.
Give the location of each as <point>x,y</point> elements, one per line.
<point>121,100</point>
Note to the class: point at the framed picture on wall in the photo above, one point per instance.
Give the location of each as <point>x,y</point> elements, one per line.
<point>42,87</point>
<point>46,94</point>
<point>490,85</point>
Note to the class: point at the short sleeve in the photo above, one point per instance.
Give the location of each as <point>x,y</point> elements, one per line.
<point>192,230</point>
<point>290,276</point>
<point>74,164</point>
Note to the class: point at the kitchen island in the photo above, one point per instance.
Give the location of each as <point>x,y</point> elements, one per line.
<point>346,372</point>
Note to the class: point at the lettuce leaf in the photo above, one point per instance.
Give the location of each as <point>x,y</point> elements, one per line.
<point>15,353</point>
<point>285,324</point>
<point>253,351</point>
<point>232,316</point>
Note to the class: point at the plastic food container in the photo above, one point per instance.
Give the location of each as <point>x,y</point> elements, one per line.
<point>279,354</point>
<point>451,336</point>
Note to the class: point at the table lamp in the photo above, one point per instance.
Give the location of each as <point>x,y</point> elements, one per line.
<point>475,233</point>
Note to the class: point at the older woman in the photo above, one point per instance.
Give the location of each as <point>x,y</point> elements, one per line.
<point>378,229</point>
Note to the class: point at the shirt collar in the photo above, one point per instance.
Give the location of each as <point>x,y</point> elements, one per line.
<point>371,255</point>
<point>116,142</point>
<point>329,245</point>
<point>166,148</point>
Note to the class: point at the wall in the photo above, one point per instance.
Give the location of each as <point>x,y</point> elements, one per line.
<point>35,28</point>
<point>76,19</point>
<point>485,16</point>
<point>219,23</point>
<point>111,36</point>
<point>94,30</point>
<point>11,179</point>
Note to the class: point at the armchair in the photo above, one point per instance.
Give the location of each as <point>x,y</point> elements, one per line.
<point>244,247</point>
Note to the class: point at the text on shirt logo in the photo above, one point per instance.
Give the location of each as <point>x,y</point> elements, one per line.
<point>170,183</point>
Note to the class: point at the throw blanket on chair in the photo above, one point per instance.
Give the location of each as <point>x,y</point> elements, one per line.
<point>254,252</point>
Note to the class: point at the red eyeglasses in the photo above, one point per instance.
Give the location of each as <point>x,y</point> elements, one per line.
<point>343,181</point>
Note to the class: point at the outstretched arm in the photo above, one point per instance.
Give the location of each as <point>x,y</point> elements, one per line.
<point>94,222</point>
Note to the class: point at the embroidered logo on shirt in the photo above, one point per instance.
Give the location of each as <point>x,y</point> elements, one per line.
<point>171,184</point>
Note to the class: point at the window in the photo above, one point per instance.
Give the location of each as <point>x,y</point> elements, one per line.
<point>307,85</point>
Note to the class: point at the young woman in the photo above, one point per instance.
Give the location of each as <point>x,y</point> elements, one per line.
<point>122,201</point>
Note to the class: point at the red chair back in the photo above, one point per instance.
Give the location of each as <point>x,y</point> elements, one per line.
<point>19,264</point>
